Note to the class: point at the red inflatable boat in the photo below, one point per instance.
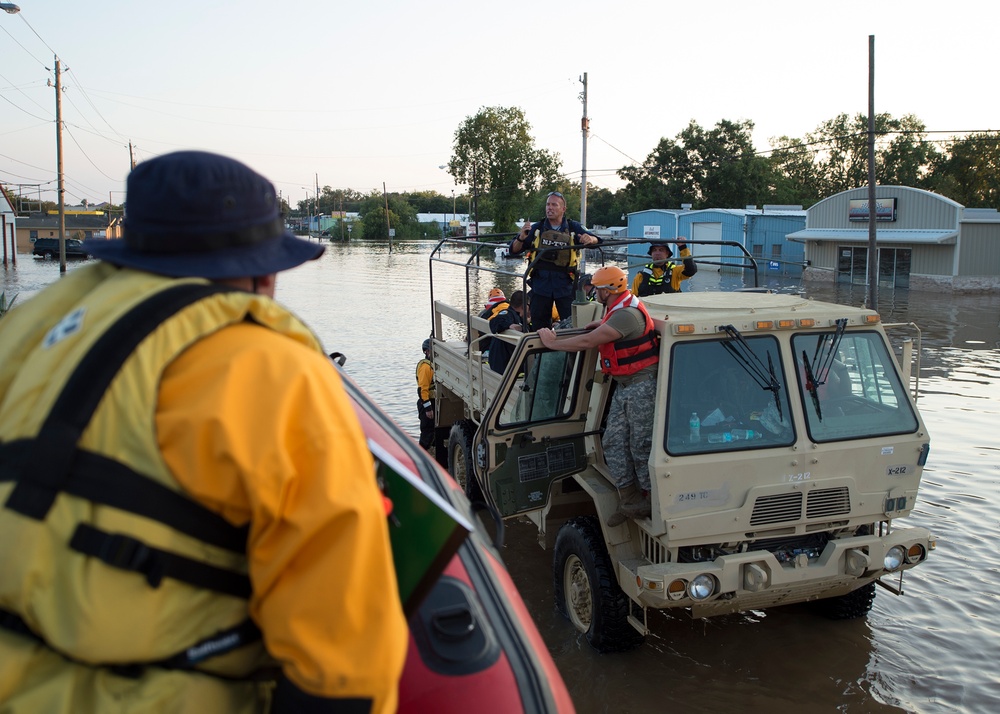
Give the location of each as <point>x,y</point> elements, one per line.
<point>473,645</point>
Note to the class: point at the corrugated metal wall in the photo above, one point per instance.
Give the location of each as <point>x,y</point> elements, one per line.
<point>980,250</point>
<point>769,233</point>
<point>914,209</point>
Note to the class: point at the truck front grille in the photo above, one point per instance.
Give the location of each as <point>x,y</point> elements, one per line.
<point>785,507</point>
<point>778,508</point>
<point>828,502</point>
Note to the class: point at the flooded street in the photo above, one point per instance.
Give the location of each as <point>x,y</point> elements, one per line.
<point>934,649</point>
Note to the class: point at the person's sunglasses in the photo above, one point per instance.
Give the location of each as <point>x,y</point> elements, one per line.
<point>556,193</point>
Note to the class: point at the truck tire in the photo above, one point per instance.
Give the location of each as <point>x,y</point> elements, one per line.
<point>854,604</point>
<point>460,459</point>
<point>48,255</point>
<point>587,592</point>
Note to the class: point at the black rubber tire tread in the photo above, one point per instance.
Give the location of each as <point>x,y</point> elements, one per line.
<point>609,629</point>
<point>460,462</point>
<point>851,606</point>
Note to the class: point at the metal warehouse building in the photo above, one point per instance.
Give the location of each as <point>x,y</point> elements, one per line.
<point>925,241</point>
<point>761,231</point>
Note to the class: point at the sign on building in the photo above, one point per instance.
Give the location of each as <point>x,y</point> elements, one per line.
<point>885,209</point>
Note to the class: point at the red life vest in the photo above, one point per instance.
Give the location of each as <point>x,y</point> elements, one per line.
<point>626,357</point>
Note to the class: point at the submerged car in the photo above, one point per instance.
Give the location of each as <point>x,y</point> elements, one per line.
<point>49,248</point>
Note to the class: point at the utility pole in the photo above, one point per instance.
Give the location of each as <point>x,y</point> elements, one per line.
<point>872,212</point>
<point>388,230</point>
<point>475,202</point>
<point>585,128</point>
<point>59,168</point>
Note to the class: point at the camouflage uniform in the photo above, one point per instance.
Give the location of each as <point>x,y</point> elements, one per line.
<point>628,438</point>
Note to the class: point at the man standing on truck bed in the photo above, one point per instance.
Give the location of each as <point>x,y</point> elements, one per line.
<point>630,354</point>
<point>553,278</point>
<point>663,275</point>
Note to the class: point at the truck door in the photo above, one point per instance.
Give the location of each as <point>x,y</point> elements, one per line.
<point>534,430</point>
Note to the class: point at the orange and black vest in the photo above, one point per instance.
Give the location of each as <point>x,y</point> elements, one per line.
<point>661,283</point>
<point>626,357</point>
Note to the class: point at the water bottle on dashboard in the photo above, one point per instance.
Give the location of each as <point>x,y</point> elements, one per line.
<point>695,424</point>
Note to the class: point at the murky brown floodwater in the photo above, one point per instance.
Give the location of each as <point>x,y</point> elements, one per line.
<point>935,649</point>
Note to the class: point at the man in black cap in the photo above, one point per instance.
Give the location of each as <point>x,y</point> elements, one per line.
<point>197,522</point>
<point>663,275</point>
<point>426,391</point>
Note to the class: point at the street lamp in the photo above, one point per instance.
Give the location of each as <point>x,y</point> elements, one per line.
<point>10,8</point>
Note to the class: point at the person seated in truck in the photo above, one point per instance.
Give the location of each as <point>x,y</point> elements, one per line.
<point>511,318</point>
<point>663,275</point>
<point>630,353</point>
<point>496,302</point>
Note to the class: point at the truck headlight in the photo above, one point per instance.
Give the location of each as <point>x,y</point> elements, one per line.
<point>893,558</point>
<point>701,587</point>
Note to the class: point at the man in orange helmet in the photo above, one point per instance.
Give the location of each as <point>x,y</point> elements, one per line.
<point>630,353</point>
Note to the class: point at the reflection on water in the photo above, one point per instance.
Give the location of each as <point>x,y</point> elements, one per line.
<point>934,649</point>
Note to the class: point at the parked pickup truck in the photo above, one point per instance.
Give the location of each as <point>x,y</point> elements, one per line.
<point>808,449</point>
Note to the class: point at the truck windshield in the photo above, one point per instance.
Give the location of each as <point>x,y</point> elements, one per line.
<point>859,395</point>
<point>717,399</point>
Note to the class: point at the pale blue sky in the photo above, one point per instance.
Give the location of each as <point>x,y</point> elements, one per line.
<point>365,92</point>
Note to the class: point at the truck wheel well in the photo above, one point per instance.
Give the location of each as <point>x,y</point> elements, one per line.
<point>460,461</point>
<point>587,591</point>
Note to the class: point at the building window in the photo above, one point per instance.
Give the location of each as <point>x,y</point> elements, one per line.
<point>776,251</point>
<point>33,236</point>
<point>893,266</point>
<point>757,250</point>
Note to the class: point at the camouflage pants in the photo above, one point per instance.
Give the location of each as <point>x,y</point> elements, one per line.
<point>628,438</point>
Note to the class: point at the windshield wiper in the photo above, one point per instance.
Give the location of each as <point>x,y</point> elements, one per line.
<point>812,386</point>
<point>752,365</point>
<point>823,357</point>
<point>826,351</point>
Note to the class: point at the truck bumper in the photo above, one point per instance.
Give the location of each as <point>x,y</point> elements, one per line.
<point>756,579</point>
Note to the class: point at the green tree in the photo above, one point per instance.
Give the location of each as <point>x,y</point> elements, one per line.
<point>795,176</point>
<point>494,151</point>
<point>402,217</point>
<point>969,171</point>
<point>717,167</point>
<point>332,201</point>
<point>429,201</point>
<point>902,155</point>
<point>604,208</point>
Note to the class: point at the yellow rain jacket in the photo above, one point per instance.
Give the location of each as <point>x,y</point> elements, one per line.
<point>219,485</point>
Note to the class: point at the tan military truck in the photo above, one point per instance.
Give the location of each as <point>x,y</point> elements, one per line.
<point>807,448</point>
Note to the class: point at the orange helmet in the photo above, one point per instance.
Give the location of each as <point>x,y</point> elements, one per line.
<point>496,292</point>
<point>612,278</point>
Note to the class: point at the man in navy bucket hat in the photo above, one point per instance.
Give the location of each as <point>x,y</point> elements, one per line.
<point>198,522</point>
<point>196,214</point>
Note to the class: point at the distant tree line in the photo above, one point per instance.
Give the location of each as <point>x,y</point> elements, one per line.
<point>721,168</point>
<point>494,154</point>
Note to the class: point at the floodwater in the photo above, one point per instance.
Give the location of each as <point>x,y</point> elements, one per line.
<point>936,648</point>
